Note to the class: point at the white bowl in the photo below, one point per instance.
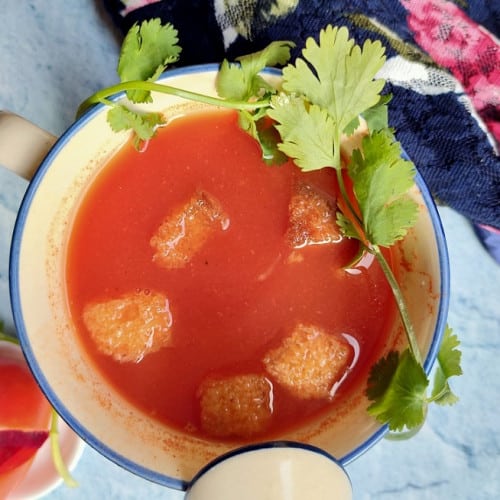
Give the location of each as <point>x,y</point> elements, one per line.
<point>82,397</point>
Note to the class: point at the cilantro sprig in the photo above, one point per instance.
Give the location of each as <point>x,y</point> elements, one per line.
<point>148,50</point>
<point>398,385</point>
<point>324,95</point>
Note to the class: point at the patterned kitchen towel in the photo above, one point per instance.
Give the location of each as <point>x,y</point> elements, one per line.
<point>443,70</point>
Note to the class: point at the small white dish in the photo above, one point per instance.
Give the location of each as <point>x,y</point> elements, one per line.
<point>42,476</point>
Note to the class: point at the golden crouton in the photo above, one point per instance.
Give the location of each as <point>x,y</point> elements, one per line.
<point>309,362</point>
<point>183,232</point>
<point>237,406</point>
<point>131,326</point>
<point>312,218</point>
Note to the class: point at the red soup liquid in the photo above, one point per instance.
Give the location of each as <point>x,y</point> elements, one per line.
<point>240,294</point>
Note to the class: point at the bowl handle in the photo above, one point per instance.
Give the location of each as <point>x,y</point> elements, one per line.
<point>23,145</point>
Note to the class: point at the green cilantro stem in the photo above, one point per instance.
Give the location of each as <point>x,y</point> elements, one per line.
<point>386,268</point>
<point>8,338</point>
<point>56,453</point>
<point>436,397</point>
<point>102,96</point>
<point>343,192</point>
<point>400,302</point>
<point>404,435</point>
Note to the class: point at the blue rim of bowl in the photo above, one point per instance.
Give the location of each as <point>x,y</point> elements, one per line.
<point>70,419</point>
<point>266,445</point>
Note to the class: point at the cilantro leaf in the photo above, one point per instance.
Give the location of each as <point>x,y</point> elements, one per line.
<point>276,53</point>
<point>146,51</point>
<point>441,392</point>
<point>346,226</point>
<point>449,355</point>
<point>341,78</point>
<point>381,375</point>
<point>351,127</point>
<point>377,117</point>
<point>449,358</point>
<point>381,180</point>
<point>266,136</point>
<point>400,401</point>
<point>397,385</point>
<point>144,124</point>
<point>306,131</point>
<point>241,81</point>
<point>337,77</point>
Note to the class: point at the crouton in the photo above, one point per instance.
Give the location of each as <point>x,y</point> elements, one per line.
<point>237,406</point>
<point>183,232</point>
<point>312,218</point>
<point>309,362</point>
<point>130,326</point>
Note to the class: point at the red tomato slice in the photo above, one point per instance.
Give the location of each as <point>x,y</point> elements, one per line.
<point>22,403</point>
<point>17,447</point>
<point>24,417</point>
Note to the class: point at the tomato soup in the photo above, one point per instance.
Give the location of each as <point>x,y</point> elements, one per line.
<point>253,321</point>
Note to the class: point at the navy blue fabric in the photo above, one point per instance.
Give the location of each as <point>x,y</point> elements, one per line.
<point>446,143</point>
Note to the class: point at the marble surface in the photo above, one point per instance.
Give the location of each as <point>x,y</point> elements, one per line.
<point>53,55</point>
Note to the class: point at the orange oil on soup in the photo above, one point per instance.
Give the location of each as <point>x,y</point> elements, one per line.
<point>243,301</point>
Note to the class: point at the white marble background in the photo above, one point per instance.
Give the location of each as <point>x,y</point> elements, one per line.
<point>53,55</point>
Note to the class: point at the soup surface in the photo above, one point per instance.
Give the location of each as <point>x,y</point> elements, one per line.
<point>211,290</point>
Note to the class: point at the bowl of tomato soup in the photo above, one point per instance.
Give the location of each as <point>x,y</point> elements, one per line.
<point>183,299</point>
